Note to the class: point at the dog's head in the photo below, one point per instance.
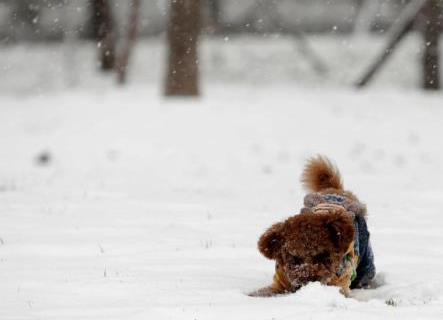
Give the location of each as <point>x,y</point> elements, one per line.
<point>312,246</point>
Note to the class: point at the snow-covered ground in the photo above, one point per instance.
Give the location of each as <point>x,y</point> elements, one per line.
<point>151,209</point>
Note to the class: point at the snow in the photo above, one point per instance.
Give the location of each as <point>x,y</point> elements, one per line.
<point>261,60</point>
<point>151,208</point>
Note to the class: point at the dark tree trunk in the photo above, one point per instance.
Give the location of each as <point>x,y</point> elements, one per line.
<point>123,61</point>
<point>182,77</point>
<point>214,16</point>
<point>103,31</point>
<point>431,54</point>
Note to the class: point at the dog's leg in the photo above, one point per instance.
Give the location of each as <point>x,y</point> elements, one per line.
<point>280,285</point>
<point>264,292</point>
<point>345,291</point>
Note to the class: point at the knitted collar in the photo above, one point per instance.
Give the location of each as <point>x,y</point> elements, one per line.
<point>348,264</point>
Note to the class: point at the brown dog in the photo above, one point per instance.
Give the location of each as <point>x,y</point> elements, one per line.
<point>327,242</point>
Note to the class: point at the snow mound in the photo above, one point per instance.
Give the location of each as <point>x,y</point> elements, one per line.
<point>398,294</point>
<point>317,295</point>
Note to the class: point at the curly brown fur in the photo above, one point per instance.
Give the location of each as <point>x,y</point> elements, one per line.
<point>307,247</point>
<point>320,174</point>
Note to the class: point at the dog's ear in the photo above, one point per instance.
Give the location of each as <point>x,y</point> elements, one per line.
<point>271,241</point>
<point>341,231</point>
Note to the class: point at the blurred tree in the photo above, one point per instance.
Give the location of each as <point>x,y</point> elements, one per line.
<point>25,17</point>
<point>103,32</point>
<point>182,77</point>
<point>429,12</point>
<point>366,11</point>
<point>431,53</point>
<point>401,27</point>
<point>123,60</point>
<point>214,23</point>
<point>27,10</point>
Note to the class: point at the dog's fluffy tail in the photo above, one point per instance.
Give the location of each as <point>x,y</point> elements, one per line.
<point>320,174</point>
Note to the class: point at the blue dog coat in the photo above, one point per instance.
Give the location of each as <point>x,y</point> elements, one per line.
<point>365,270</point>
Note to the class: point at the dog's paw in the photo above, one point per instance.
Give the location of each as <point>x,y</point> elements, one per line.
<point>263,292</point>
